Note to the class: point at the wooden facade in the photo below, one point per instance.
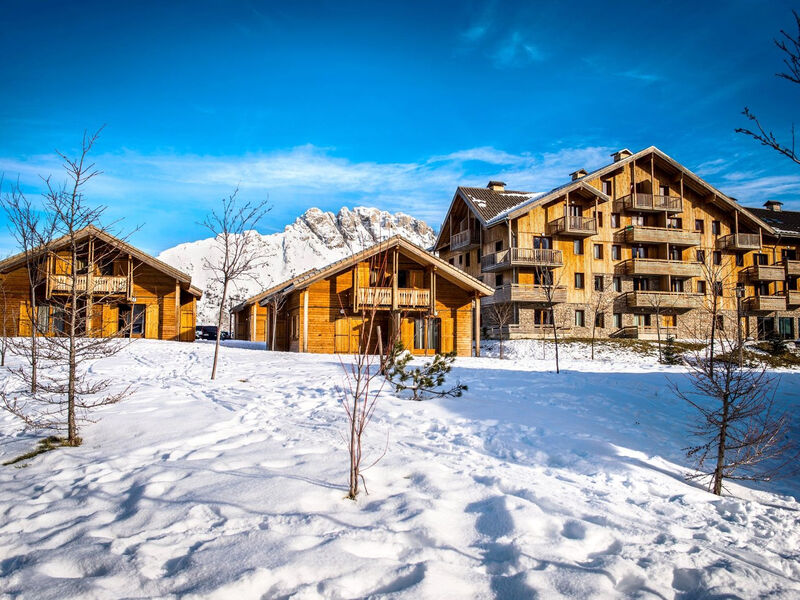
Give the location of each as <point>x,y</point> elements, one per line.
<point>122,288</point>
<point>645,229</point>
<point>402,288</point>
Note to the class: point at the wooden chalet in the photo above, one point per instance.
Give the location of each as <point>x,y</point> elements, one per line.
<point>434,306</point>
<point>121,289</point>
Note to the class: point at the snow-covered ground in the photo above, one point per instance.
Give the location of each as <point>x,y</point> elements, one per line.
<point>531,485</point>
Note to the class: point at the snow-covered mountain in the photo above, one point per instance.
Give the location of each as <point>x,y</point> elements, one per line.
<point>314,240</point>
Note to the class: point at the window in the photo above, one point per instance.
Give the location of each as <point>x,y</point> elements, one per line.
<point>577,247</point>
<point>60,320</point>
<point>759,259</point>
<point>403,278</point>
<point>480,253</point>
<point>542,316</point>
<point>675,223</point>
<point>720,323</point>
<point>701,287</point>
<point>617,282</point>
<point>663,190</point>
<point>607,188</point>
<point>786,327</point>
<point>637,220</point>
<point>699,225</point>
<point>106,267</point>
<point>600,320</point>
<point>717,257</point>
<point>701,256</point>
<point>574,210</point>
<point>598,251</point>
<point>433,329</point>
<point>467,257</point>
<point>598,283</point>
<point>81,266</point>
<point>498,245</point>
<point>715,227</point>
<point>762,288</point>
<point>542,243</point>
<point>614,219</point>
<point>580,318</point>
<point>788,254</point>
<point>617,319</point>
<point>616,252</point>
<point>718,288</point>
<point>137,320</point>
<point>599,217</point>
<point>739,259</point>
<point>43,318</point>
<point>641,320</point>
<point>460,259</point>
<point>676,285</point>
<point>638,252</point>
<point>675,253</point>
<point>578,281</point>
<point>639,284</point>
<point>740,290</point>
<point>541,277</point>
<point>452,261</point>
<point>498,279</point>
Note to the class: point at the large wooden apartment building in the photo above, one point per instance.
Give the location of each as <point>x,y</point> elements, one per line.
<point>645,231</point>
<point>122,291</point>
<point>431,305</point>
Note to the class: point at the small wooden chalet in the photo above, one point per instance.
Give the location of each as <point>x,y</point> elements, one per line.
<point>120,288</point>
<point>433,306</point>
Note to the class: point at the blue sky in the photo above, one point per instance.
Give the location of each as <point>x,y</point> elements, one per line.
<point>334,104</point>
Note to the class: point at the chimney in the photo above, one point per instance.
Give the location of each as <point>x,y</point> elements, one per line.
<point>621,154</point>
<point>578,174</point>
<point>773,205</point>
<point>497,186</point>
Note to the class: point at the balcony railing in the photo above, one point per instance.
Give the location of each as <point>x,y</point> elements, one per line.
<point>660,266</point>
<point>765,303</point>
<point>573,225</point>
<point>650,203</point>
<point>793,297</point>
<point>520,292</point>
<point>665,300</point>
<point>521,257</point>
<point>460,239</point>
<point>101,284</point>
<point>792,266</point>
<point>381,297</point>
<point>765,273</point>
<point>739,241</point>
<point>636,234</point>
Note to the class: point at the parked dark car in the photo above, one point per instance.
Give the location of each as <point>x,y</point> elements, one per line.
<point>209,332</point>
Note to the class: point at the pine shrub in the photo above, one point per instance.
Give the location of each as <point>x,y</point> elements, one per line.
<point>427,379</point>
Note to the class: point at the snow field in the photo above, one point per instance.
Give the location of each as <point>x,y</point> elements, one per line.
<point>565,486</point>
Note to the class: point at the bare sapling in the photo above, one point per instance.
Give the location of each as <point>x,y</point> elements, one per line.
<point>69,328</point>
<point>601,300</point>
<point>500,315</point>
<point>549,281</point>
<point>235,254</point>
<point>741,434</point>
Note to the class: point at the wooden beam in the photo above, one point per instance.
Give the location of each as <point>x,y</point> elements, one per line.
<point>395,261</point>
<point>432,286</point>
<point>305,320</point>
<point>253,319</point>
<point>355,288</point>
<point>178,312</point>
<point>477,325</point>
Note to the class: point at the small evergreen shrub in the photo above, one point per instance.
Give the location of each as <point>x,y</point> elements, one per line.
<point>670,354</point>
<point>426,379</point>
<point>776,344</point>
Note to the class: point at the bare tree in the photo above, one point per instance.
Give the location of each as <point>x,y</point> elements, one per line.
<point>789,44</point>
<point>500,315</point>
<point>659,305</point>
<point>66,392</point>
<point>601,301</point>
<point>717,272</point>
<point>550,284</point>
<point>33,233</point>
<point>276,303</point>
<point>364,379</point>
<point>233,228</point>
<point>742,435</point>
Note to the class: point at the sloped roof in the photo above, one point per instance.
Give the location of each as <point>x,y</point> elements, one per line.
<point>269,291</point>
<point>784,222</point>
<point>451,272</point>
<point>488,203</point>
<point>15,261</point>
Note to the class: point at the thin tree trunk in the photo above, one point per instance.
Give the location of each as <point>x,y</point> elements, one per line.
<point>555,336</point>
<point>658,335</point>
<point>219,328</point>
<point>353,462</point>
<point>274,325</point>
<point>34,326</point>
<point>72,430</point>
<point>594,326</point>
<point>501,341</point>
<point>713,334</point>
<point>723,433</point>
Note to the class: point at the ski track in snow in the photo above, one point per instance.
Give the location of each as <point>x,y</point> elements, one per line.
<point>561,486</point>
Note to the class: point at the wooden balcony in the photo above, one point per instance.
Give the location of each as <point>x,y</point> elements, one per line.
<point>648,332</point>
<point>100,285</point>
<point>519,292</point>
<point>381,297</point>
<point>792,266</point>
<point>660,266</point>
<point>521,257</point>
<point>463,239</point>
<point>739,241</point>
<point>636,234</point>
<point>765,303</point>
<point>573,225</point>
<point>765,273</point>
<point>793,298</point>
<point>664,300</point>
<point>650,203</point>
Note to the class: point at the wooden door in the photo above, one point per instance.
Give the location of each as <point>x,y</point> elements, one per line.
<point>446,333</point>
<point>187,324</point>
<point>151,322</point>
<point>110,320</point>
<point>25,319</point>
<point>341,337</point>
